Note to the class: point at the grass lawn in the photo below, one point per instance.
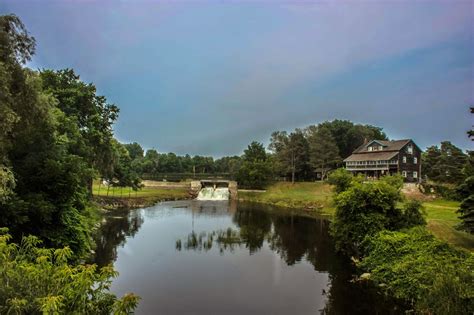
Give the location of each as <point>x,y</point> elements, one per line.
<point>442,219</point>
<point>158,193</point>
<point>315,196</point>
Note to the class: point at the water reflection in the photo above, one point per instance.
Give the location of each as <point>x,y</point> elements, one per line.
<point>115,228</point>
<point>171,260</point>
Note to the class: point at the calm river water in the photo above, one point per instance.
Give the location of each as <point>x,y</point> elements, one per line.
<point>221,257</point>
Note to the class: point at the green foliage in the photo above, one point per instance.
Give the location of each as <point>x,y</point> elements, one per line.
<point>56,135</point>
<point>366,208</point>
<point>361,210</point>
<point>443,190</point>
<point>416,267</point>
<point>291,152</point>
<point>7,184</point>
<point>341,179</point>
<point>466,192</point>
<point>466,210</point>
<point>255,170</point>
<point>323,150</point>
<point>36,280</point>
<point>349,136</point>
<point>135,150</point>
<point>413,214</point>
<point>444,164</point>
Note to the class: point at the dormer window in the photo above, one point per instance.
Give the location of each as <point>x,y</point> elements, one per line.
<point>369,148</point>
<point>380,148</point>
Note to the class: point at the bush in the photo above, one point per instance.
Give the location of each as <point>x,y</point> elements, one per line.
<point>363,209</point>
<point>341,179</point>
<point>36,280</point>
<point>445,191</point>
<point>416,267</point>
<point>366,208</point>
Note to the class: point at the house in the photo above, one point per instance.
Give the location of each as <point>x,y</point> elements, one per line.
<point>378,157</point>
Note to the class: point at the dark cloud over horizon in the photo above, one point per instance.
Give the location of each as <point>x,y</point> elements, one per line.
<point>208,78</point>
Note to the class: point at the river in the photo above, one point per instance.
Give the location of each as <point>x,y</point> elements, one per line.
<point>223,257</point>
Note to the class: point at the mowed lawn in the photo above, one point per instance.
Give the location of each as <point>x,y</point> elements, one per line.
<point>442,220</point>
<point>315,196</point>
<point>145,192</point>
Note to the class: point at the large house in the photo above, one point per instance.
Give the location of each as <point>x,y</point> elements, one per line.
<point>378,157</point>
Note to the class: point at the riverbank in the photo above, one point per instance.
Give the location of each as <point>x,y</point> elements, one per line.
<point>317,197</point>
<point>310,196</point>
<point>116,197</point>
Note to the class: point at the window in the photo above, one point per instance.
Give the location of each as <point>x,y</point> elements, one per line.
<point>369,148</point>
<point>410,149</point>
<point>404,174</point>
<point>415,160</point>
<point>415,174</point>
<point>380,148</point>
<point>404,159</point>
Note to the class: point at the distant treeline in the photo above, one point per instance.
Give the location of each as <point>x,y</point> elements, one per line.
<point>297,155</point>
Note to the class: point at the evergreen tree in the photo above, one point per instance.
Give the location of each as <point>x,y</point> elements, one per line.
<point>254,171</point>
<point>292,152</point>
<point>323,151</point>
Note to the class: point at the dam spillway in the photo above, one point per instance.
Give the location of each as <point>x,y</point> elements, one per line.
<point>214,190</point>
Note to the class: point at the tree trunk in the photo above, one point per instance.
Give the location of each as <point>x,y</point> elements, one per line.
<point>293,168</point>
<point>108,188</point>
<point>89,186</point>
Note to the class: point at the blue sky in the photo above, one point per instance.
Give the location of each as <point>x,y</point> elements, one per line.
<point>209,77</point>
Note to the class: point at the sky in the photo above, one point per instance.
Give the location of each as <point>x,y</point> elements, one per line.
<point>209,77</point>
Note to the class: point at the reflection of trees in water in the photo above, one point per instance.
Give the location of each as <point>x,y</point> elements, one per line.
<point>226,240</point>
<point>296,238</point>
<point>113,233</point>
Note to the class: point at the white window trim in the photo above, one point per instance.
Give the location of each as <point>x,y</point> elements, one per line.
<point>415,174</point>
<point>404,174</point>
<point>404,159</point>
<point>415,160</point>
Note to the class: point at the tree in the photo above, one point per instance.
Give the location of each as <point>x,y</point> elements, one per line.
<point>341,179</point>
<point>466,191</point>
<point>323,151</point>
<point>89,111</point>
<point>444,164</point>
<point>254,171</point>
<point>470,133</point>
<point>364,209</point>
<point>291,151</point>
<point>135,150</point>
<point>16,48</point>
<point>349,136</point>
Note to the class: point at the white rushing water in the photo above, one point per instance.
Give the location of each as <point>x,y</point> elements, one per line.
<point>211,193</point>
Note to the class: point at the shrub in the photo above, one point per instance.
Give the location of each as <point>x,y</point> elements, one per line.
<point>363,209</point>
<point>366,208</point>
<point>416,267</point>
<point>341,179</point>
<point>36,280</point>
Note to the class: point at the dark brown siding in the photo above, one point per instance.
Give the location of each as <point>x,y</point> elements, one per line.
<point>410,166</point>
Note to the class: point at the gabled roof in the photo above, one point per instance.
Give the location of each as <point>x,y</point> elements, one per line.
<point>390,150</point>
<point>372,156</point>
<point>394,145</point>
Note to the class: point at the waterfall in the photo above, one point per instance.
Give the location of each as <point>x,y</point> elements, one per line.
<point>211,193</point>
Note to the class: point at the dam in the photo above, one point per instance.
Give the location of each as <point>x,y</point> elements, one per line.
<point>213,189</point>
